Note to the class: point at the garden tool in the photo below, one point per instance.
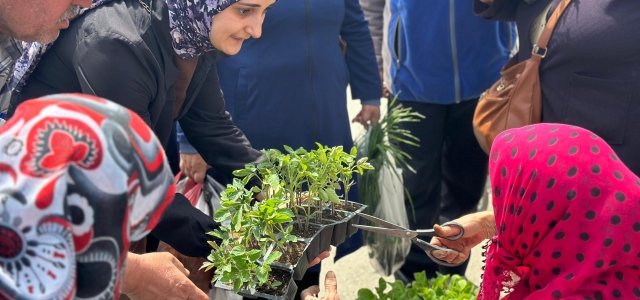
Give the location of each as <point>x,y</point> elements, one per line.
<point>399,231</point>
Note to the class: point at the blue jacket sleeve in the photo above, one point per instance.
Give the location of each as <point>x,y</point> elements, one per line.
<point>185,146</point>
<point>360,56</point>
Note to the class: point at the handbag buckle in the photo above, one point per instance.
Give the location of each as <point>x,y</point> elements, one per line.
<point>537,49</point>
<point>501,86</point>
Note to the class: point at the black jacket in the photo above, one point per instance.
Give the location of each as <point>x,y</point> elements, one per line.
<point>122,52</point>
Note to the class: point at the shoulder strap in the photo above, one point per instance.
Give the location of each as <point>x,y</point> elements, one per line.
<point>540,49</point>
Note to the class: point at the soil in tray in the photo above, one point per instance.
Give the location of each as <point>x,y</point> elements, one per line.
<point>298,230</point>
<point>328,218</point>
<point>276,275</point>
<point>348,206</point>
<point>293,253</point>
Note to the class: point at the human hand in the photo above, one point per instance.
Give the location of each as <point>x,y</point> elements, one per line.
<point>370,114</point>
<point>330,289</point>
<point>477,228</point>
<point>193,166</point>
<point>158,276</point>
<point>487,2</point>
<point>385,90</point>
<point>199,277</point>
<point>319,259</point>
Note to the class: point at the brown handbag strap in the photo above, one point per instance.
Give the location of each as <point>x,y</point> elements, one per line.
<point>540,48</point>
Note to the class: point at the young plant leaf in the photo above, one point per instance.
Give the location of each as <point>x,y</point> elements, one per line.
<point>255,254</point>
<point>273,257</point>
<point>288,149</point>
<point>222,214</point>
<point>333,197</point>
<point>237,285</point>
<point>242,173</point>
<point>366,294</point>
<point>262,275</point>
<point>281,218</point>
<point>236,222</point>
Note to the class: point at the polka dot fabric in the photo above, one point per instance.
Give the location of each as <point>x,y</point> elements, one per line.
<point>566,211</point>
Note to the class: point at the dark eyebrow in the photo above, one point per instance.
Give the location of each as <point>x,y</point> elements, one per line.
<point>248,4</point>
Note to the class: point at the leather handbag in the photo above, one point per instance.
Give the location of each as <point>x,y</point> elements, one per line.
<point>515,100</point>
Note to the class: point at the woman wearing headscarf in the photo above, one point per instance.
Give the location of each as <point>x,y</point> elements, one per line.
<point>156,58</point>
<point>80,179</point>
<point>300,91</point>
<point>565,219</point>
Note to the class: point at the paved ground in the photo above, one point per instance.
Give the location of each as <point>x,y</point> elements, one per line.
<point>354,271</point>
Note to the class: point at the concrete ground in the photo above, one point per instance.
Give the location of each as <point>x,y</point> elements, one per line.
<point>354,271</point>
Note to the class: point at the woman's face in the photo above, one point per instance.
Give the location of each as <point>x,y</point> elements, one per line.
<point>238,22</point>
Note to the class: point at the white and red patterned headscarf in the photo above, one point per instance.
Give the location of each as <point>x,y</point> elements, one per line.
<point>80,179</point>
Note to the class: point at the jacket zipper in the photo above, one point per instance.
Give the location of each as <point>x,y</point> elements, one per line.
<point>454,49</point>
<point>397,44</point>
<point>313,95</point>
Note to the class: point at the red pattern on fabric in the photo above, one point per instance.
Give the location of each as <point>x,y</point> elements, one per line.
<point>168,198</point>
<point>76,185</point>
<point>54,142</point>
<point>566,211</point>
<point>82,242</point>
<point>4,168</point>
<point>154,165</point>
<point>45,195</point>
<point>140,127</point>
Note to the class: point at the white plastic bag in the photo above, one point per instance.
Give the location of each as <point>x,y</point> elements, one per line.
<point>386,253</point>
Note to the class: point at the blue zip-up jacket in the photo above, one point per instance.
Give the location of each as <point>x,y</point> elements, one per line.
<point>438,50</point>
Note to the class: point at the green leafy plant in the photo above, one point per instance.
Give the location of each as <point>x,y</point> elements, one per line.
<point>238,266</point>
<point>334,169</point>
<point>443,287</point>
<point>382,149</point>
<point>242,258</point>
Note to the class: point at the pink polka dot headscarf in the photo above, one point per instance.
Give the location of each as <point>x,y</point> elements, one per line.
<point>567,217</point>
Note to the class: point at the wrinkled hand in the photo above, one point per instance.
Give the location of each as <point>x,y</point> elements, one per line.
<point>319,259</point>
<point>158,276</point>
<point>193,166</point>
<point>477,228</point>
<point>330,289</point>
<point>370,114</point>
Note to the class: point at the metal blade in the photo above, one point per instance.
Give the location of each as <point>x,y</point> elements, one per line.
<point>380,221</point>
<point>407,234</point>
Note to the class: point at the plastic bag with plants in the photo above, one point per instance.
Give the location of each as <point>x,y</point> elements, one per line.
<point>382,190</point>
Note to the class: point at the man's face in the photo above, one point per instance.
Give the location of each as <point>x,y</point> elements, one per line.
<point>37,20</point>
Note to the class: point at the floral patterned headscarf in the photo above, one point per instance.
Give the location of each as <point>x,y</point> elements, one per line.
<point>80,179</point>
<point>189,20</point>
<point>567,217</point>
